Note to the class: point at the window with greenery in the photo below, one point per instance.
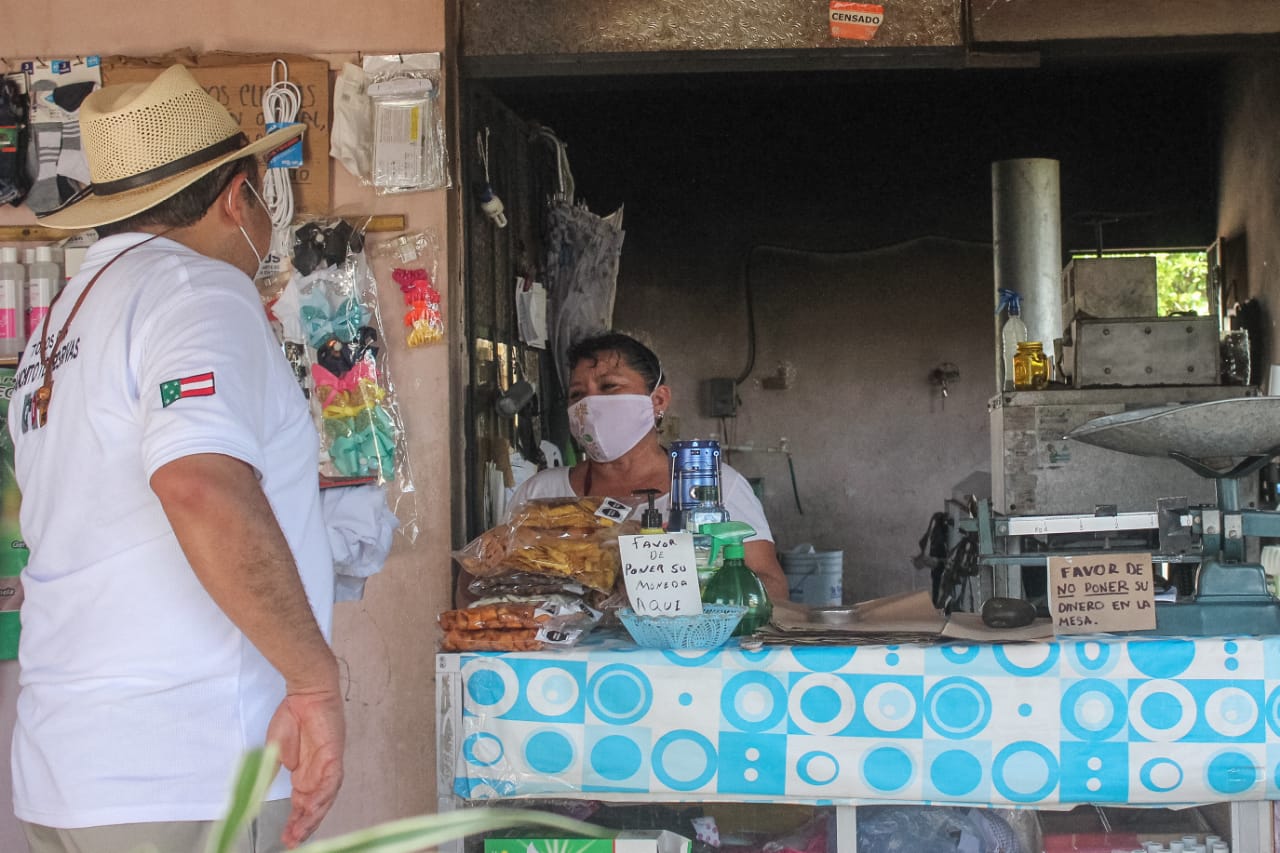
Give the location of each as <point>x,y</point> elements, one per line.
<point>1182,280</point>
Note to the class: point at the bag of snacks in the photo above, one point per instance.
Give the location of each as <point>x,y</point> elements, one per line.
<point>517,625</point>
<point>573,540</point>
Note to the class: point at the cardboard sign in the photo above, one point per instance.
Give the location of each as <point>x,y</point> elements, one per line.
<point>237,81</point>
<point>660,574</point>
<point>1101,592</point>
<point>858,21</point>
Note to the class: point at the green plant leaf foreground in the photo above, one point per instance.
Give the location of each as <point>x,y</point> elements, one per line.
<point>427,831</point>
<point>257,769</point>
<point>408,835</point>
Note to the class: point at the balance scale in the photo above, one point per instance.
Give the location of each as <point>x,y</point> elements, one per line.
<point>1223,440</point>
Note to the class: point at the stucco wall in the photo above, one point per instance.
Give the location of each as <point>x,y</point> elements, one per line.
<point>876,447</point>
<point>386,642</point>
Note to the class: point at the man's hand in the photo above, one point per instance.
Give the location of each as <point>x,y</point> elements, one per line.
<point>310,731</point>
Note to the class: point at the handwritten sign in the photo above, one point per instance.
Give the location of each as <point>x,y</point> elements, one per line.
<point>1101,592</point>
<point>660,574</point>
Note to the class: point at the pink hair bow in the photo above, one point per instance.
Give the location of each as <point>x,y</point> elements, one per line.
<point>352,382</point>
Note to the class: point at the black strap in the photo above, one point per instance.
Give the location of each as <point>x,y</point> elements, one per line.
<point>182,164</point>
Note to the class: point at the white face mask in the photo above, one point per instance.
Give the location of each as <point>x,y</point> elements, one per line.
<point>608,425</point>
<point>261,260</point>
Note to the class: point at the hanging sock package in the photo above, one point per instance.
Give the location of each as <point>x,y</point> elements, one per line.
<point>331,331</point>
<point>414,268</point>
<point>408,127</point>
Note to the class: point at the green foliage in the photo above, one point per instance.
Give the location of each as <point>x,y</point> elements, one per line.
<point>1182,282</point>
<point>410,835</point>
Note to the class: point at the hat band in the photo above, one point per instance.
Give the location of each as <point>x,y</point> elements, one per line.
<point>182,164</point>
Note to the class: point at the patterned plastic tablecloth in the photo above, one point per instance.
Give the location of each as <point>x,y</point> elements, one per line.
<point>1088,720</point>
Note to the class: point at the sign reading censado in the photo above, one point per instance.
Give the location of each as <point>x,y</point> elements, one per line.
<point>1093,593</point>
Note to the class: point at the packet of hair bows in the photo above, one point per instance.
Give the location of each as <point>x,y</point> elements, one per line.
<point>332,332</point>
<point>414,267</point>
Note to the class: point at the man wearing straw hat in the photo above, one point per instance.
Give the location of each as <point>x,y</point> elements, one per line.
<point>179,591</point>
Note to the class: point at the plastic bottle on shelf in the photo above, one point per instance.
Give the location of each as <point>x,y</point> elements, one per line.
<point>708,510</point>
<point>13,286</point>
<point>1012,333</point>
<point>44,280</point>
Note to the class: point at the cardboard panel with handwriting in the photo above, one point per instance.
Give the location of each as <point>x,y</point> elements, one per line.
<point>238,80</point>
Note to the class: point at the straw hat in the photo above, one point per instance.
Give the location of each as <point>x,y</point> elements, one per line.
<point>146,142</point>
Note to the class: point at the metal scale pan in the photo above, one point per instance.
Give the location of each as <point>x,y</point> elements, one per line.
<point>1237,427</point>
<point>1244,433</point>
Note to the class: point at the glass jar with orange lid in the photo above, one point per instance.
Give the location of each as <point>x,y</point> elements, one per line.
<point>1030,367</point>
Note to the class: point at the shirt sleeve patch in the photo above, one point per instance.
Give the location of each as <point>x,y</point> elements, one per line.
<point>200,385</point>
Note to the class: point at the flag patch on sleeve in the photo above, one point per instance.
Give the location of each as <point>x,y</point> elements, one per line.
<point>200,385</point>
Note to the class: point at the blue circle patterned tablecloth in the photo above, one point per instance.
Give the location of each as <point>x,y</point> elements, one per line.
<point>1097,720</point>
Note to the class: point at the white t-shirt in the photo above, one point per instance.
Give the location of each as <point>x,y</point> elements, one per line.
<point>736,495</point>
<point>139,696</point>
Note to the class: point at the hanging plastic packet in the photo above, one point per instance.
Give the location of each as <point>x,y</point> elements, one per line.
<point>408,128</point>
<point>329,310</point>
<point>351,137</point>
<point>414,269</point>
<point>15,111</point>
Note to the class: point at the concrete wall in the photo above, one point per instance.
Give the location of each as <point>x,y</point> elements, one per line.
<point>876,447</point>
<point>386,642</point>
<point>1249,203</point>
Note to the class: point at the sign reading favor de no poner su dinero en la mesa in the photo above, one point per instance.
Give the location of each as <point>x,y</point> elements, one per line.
<point>1092,593</point>
<point>660,574</point>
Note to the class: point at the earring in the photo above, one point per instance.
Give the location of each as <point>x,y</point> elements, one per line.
<point>659,419</point>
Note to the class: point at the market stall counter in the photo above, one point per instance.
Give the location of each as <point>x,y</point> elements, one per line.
<point>1100,719</point>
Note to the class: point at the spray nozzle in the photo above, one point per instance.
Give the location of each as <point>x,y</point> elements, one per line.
<point>1010,299</point>
<point>651,519</point>
<point>728,535</point>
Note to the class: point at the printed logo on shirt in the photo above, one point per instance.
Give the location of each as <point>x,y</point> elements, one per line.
<point>200,385</point>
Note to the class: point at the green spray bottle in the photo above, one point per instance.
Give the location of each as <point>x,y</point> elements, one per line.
<point>735,583</point>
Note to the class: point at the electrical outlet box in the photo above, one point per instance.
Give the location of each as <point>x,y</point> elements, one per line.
<point>722,398</point>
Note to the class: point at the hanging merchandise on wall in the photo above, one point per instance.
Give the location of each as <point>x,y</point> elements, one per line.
<point>328,319</point>
<point>351,138</point>
<point>408,126</point>
<point>281,103</point>
<point>583,252</point>
<point>414,269</point>
<point>55,158</point>
<point>15,129</point>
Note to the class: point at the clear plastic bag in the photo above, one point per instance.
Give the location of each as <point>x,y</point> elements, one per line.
<point>415,268</point>
<point>408,128</point>
<point>571,539</point>
<point>556,621</point>
<point>331,328</point>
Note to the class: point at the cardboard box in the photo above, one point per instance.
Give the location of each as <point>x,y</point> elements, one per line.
<point>238,80</point>
<point>627,841</point>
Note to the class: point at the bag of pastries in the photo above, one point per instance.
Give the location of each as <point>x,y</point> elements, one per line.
<point>574,540</point>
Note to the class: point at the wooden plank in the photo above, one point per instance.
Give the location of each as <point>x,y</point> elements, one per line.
<point>382,223</point>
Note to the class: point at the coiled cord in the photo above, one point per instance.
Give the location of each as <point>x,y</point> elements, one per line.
<point>280,105</point>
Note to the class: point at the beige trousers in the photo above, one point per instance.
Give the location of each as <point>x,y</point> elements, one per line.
<point>262,836</point>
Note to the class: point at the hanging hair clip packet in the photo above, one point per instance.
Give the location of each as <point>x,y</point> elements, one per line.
<point>414,268</point>
<point>329,311</point>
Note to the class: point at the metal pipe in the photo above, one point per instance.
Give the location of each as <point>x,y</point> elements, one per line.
<point>1026,222</point>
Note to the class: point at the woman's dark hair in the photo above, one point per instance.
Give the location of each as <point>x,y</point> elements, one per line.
<point>189,205</point>
<point>634,354</point>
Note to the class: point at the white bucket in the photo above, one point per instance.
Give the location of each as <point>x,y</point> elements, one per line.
<point>814,577</point>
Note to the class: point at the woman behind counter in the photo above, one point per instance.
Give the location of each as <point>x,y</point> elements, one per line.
<point>617,399</point>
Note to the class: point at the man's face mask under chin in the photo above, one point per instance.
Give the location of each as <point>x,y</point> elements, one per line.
<point>261,259</point>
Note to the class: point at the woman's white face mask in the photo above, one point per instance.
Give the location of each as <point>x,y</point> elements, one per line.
<point>608,425</point>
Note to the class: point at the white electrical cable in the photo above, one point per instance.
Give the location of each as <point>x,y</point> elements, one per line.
<point>280,104</point>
